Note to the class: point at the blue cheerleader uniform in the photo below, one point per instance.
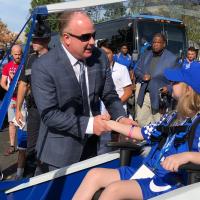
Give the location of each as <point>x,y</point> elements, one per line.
<point>151,176</point>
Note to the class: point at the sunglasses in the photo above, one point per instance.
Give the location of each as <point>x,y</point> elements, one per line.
<point>84,37</point>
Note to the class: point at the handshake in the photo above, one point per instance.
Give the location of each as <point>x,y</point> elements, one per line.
<point>101,123</point>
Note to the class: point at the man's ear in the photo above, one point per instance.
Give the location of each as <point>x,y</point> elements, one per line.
<point>66,39</point>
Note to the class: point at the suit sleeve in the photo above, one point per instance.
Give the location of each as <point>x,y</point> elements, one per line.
<point>45,94</point>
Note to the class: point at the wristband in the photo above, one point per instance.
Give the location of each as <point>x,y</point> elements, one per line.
<point>130,133</point>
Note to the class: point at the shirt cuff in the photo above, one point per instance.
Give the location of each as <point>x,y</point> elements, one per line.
<point>89,129</point>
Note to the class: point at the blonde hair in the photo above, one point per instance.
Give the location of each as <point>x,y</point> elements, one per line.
<point>189,102</point>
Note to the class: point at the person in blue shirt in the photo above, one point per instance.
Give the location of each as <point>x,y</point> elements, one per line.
<point>145,45</point>
<point>159,172</point>
<point>191,57</point>
<point>123,57</point>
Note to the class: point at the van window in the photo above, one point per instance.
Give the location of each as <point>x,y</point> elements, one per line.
<point>116,32</point>
<point>175,34</point>
<point>175,38</point>
<point>146,29</point>
<point>137,33</point>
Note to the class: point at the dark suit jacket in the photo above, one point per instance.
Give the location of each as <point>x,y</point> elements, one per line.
<point>158,80</point>
<point>57,95</point>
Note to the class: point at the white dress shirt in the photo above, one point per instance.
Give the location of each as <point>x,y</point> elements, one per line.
<point>76,68</point>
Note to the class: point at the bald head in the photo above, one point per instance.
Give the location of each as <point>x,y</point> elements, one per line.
<point>77,33</point>
<point>16,52</point>
<point>16,47</point>
<point>70,19</point>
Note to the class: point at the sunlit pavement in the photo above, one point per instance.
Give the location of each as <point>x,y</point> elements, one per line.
<point>8,164</point>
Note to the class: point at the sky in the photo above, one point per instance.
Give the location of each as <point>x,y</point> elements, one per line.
<point>14,13</point>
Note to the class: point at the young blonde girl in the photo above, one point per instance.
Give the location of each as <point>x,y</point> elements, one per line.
<point>159,172</point>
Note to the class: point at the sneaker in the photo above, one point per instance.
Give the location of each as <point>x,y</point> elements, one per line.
<point>10,150</point>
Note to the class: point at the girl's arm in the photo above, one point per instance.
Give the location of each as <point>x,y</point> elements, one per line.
<point>127,130</point>
<point>173,162</point>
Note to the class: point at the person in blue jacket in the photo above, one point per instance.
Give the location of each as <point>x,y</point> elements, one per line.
<point>159,172</point>
<point>150,79</point>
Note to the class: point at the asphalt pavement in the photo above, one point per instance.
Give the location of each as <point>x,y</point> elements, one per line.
<point>8,164</point>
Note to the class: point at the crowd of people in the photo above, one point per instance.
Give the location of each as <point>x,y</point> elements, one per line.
<point>72,99</point>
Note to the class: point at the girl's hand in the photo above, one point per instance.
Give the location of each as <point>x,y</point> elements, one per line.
<point>173,162</point>
<point>128,121</point>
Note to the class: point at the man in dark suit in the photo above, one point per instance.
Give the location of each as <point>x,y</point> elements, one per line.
<point>67,85</point>
<point>149,73</point>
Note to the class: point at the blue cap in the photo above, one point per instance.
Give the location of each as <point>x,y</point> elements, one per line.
<point>189,75</point>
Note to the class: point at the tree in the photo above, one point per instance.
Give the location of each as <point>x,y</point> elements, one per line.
<point>6,36</point>
<point>185,10</point>
<point>52,18</point>
<point>95,13</point>
<point>106,12</point>
<point>114,11</point>
<point>193,28</point>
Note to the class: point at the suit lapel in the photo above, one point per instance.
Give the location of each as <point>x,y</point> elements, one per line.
<point>67,65</point>
<point>147,61</point>
<point>91,69</point>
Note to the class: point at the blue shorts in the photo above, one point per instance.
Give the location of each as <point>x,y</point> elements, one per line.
<point>150,187</point>
<point>21,139</point>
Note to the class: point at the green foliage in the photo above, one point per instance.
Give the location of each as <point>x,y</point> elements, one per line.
<point>170,9</point>
<point>185,10</point>
<point>114,11</point>
<point>95,13</point>
<point>193,28</point>
<point>106,12</point>
<point>6,36</point>
<point>52,18</point>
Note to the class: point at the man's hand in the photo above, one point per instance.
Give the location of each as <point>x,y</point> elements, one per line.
<point>146,77</point>
<point>99,125</point>
<point>11,74</point>
<point>164,90</point>
<point>19,117</point>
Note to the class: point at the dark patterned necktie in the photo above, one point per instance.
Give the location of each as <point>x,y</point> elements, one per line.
<point>82,81</point>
